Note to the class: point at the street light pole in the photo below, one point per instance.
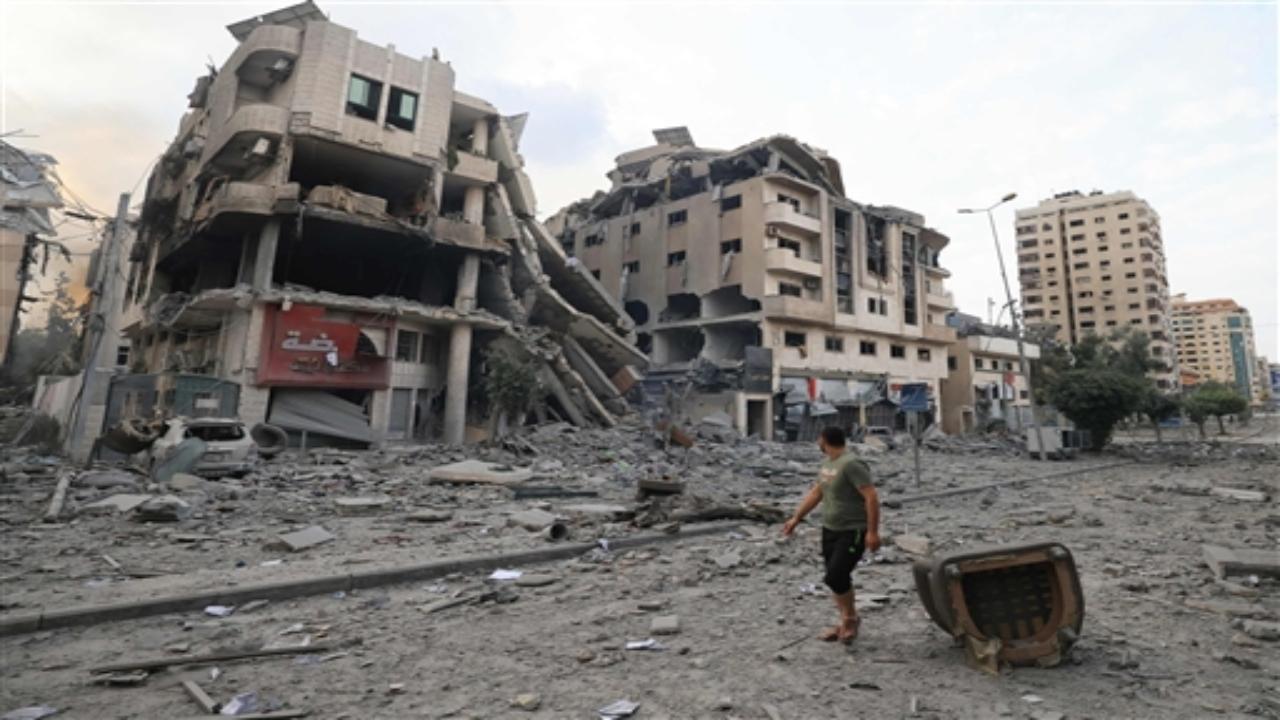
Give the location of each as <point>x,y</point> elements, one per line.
<point>1023,365</point>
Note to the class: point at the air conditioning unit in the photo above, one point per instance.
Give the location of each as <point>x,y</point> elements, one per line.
<point>771,231</point>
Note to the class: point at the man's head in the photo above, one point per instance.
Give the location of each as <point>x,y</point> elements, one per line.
<point>831,441</point>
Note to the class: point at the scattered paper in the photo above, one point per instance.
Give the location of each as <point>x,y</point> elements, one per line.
<point>619,709</point>
<point>506,575</point>
<point>647,644</point>
<point>219,610</point>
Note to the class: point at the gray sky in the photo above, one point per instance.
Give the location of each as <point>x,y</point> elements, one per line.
<point>929,107</point>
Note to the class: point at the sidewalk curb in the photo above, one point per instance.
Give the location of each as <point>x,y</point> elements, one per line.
<point>83,615</point>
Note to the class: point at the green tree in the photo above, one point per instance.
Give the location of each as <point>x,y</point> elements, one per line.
<point>1158,407</point>
<point>1214,399</point>
<point>1096,399</point>
<point>511,381</point>
<point>53,349</point>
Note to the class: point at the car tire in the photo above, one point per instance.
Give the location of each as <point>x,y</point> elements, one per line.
<point>271,439</point>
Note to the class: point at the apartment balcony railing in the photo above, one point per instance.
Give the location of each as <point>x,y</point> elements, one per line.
<point>786,215</point>
<point>785,260</point>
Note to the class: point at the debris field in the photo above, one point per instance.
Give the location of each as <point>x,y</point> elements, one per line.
<point>720,625</point>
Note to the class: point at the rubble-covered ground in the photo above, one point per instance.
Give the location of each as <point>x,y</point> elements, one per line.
<point>1162,637</point>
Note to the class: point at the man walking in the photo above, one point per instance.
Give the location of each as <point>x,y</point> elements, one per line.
<point>850,525</point>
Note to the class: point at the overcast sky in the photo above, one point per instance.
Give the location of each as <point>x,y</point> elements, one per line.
<point>928,107</point>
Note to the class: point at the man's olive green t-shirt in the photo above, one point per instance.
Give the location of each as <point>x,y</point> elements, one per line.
<point>843,507</point>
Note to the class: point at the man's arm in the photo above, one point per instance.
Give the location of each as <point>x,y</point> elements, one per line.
<point>806,506</point>
<point>872,499</point>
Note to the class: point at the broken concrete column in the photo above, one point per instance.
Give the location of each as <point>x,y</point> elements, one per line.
<point>480,137</point>
<point>473,205</point>
<point>265,261</point>
<point>455,399</point>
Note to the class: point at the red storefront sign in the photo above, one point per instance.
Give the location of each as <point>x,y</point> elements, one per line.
<point>303,348</point>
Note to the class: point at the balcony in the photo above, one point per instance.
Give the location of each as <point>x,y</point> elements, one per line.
<point>457,232</point>
<point>943,299</point>
<point>235,145</point>
<point>940,333</point>
<point>795,308</point>
<point>474,169</point>
<point>785,260</point>
<point>786,215</point>
<point>257,59</point>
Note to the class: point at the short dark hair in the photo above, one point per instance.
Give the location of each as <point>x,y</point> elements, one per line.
<point>833,436</point>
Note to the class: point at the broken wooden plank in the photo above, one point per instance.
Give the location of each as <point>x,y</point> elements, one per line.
<point>171,661</point>
<point>1226,562</point>
<point>202,698</point>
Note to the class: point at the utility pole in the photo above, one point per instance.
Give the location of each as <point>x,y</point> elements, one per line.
<point>1023,365</point>
<point>99,358</point>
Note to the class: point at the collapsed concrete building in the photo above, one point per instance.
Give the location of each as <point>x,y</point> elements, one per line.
<point>336,236</point>
<point>753,265</point>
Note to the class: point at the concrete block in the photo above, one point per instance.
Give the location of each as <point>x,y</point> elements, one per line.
<point>478,472</point>
<point>307,538</point>
<point>1226,562</point>
<point>531,519</point>
<point>918,545</point>
<point>665,625</point>
<point>359,505</point>
<point>625,379</point>
<point>115,504</point>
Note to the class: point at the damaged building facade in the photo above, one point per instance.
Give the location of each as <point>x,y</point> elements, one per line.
<point>752,267</point>
<point>339,235</point>
<point>983,384</point>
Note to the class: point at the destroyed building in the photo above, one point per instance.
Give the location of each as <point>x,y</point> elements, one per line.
<point>984,383</point>
<point>28,192</point>
<point>336,237</point>
<point>752,268</point>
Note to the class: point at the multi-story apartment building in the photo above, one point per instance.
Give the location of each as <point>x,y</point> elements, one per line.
<point>337,231</point>
<point>1215,339</point>
<point>754,260</point>
<point>983,382</point>
<point>1092,264</point>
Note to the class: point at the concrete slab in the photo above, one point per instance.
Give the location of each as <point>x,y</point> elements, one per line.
<point>121,503</point>
<point>359,505</point>
<point>307,538</point>
<point>531,519</point>
<point>918,545</point>
<point>478,472</point>
<point>665,625</point>
<point>1227,562</point>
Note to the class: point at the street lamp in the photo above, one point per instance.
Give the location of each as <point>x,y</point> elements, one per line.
<point>1023,366</point>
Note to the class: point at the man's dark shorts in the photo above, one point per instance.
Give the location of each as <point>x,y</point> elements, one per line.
<point>841,551</point>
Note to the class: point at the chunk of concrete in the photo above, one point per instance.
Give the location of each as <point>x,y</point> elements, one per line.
<point>654,486</point>
<point>360,505</point>
<point>625,379</point>
<point>1260,630</point>
<point>531,519</point>
<point>164,508</point>
<point>665,625</point>
<point>430,516</point>
<point>184,482</point>
<point>478,472</point>
<point>1239,494</point>
<point>598,510</point>
<point>108,479</point>
<point>121,503</point>
<point>1226,562</point>
<point>534,580</point>
<point>917,545</point>
<point>307,538</point>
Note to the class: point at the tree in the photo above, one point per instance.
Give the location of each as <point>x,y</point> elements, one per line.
<point>511,381</point>
<point>1096,399</point>
<point>53,349</point>
<point>1158,407</point>
<point>1217,400</point>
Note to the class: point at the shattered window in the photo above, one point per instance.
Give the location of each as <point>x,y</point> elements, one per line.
<point>794,339</point>
<point>866,348</point>
<point>835,344</point>
<point>632,267</point>
<point>924,355</point>
<point>402,108</point>
<point>363,96</point>
<point>731,246</point>
<point>678,217</point>
<point>731,203</point>
<point>406,346</point>
<point>675,258</point>
<point>897,351</point>
<point>788,289</point>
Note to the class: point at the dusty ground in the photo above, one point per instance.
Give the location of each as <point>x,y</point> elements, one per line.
<point>1158,639</point>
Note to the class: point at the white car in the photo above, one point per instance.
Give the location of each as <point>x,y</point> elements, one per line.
<point>229,448</point>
